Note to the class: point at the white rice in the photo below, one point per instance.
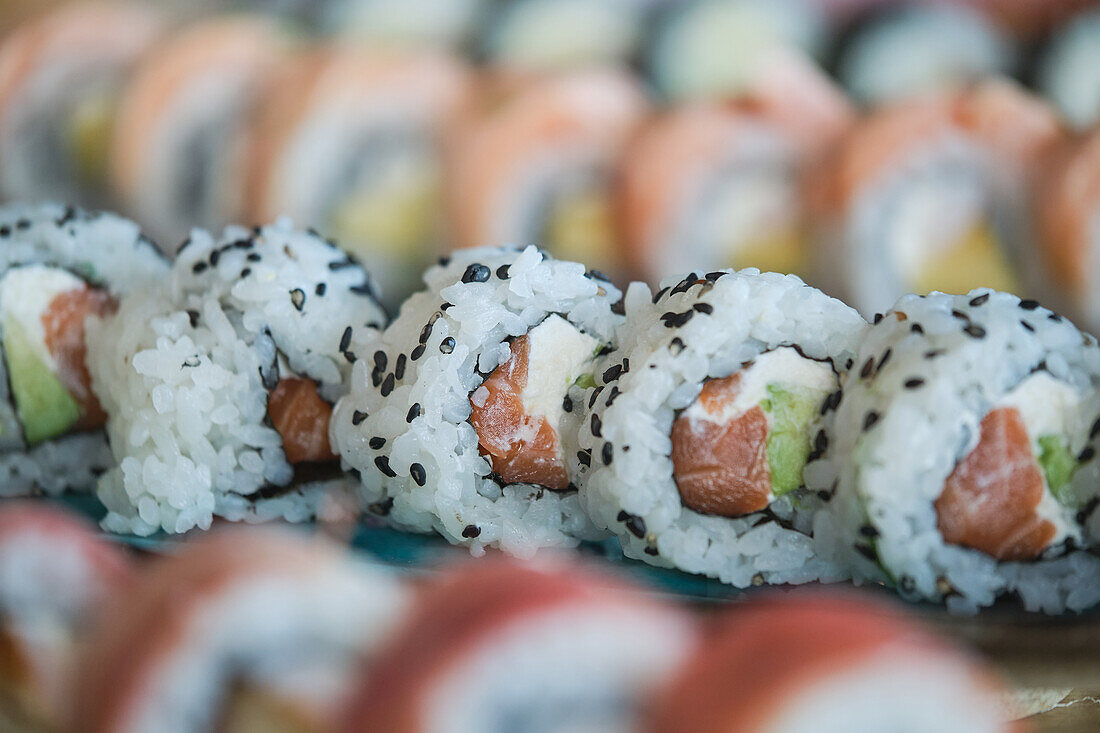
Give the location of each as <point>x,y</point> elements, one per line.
<point>630,488</point>
<point>183,372</point>
<point>444,355</point>
<point>887,476</point>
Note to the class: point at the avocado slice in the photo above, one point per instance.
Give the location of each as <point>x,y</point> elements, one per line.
<point>44,405</point>
<point>1058,466</point>
<point>791,410</point>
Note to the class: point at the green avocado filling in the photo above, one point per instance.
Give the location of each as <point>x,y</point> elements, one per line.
<point>791,411</point>
<point>1058,466</point>
<point>45,407</point>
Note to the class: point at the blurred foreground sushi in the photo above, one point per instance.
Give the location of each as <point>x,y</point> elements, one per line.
<point>438,24</point>
<point>218,385</point>
<point>1069,72</point>
<point>933,193</point>
<point>496,646</point>
<point>59,265</point>
<point>60,76</point>
<point>827,663</point>
<point>178,154</point>
<point>961,464</point>
<point>56,575</point>
<point>236,631</point>
<point>696,429</point>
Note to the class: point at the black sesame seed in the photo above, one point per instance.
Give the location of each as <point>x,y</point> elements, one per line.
<point>612,396</point>
<point>345,339</point>
<point>973,330</point>
<point>650,550</point>
<point>1055,317</point>
<point>979,300</point>
<point>193,317</point>
<point>612,373</point>
<point>676,320</point>
<point>867,551</point>
<point>350,357</point>
<point>413,413</point>
<point>821,441</point>
<point>634,523</point>
<point>246,272</point>
<point>907,584</point>
<point>417,352</point>
<point>320,289</point>
<point>657,296</point>
<point>475,273</point>
<point>824,495</point>
<point>934,353</point>
<point>704,308</point>
<point>383,465</point>
<point>885,358</point>
<point>470,531</point>
<point>916,328</point>
<point>607,454</point>
<point>878,318</point>
<point>960,315</point>
<point>502,272</point>
<point>567,404</point>
<point>685,284</point>
<point>198,267</point>
<point>1095,429</point>
<point>419,475</point>
<point>214,257</point>
<point>358,417</point>
<point>913,383</point>
<point>253,257</point>
<point>5,231</point>
<point>341,264</point>
<point>1029,305</point>
<point>868,531</point>
<point>596,426</point>
<point>399,367</point>
<point>447,345</point>
<point>868,367</point>
<point>23,224</point>
<point>870,419</point>
<point>594,396</point>
<point>676,345</point>
<point>604,350</point>
<point>584,457</point>
<point>712,276</point>
<point>443,261</point>
<point>597,275</point>
<point>298,298</point>
<point>1027,326</point>
<point>1087,454</point>
<point>381,508</point>
<point>376,442</point>
<point>387,386</point>
<point>443,307</point>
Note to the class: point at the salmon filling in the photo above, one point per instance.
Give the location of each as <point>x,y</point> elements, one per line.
<point>745,439</point>
<point>63,323</point>
<point>516,411</point>
<point>301,417</point>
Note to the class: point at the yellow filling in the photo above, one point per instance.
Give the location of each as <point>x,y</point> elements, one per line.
<point>781,251</point>
<point>581,226</point>
<point>88,134</point>
<point>249,710</point>
<point>397,218</point>
<point>976,260</point>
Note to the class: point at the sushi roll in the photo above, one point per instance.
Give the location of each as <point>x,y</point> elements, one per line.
<point>458,420</point>
<point>1068,207</point>
<point>834,663</point>
<point>351,142</point>
<point>923,48</point>
<point>709,49</point>
<point>539,167</point>
<point>218,385</point>
<point>933,194</point>
<point>57,266</point>
<point>696,430</point>
<point>177,158</point>
<point>498,646</point>
<point>1068,73</point>
<point>60,76</point>
<point>961,460</point>
<point>56,574</point>
<point>447,24</point>
<point>237,631</point>
<point>712,185</point>
<point>554,35</point>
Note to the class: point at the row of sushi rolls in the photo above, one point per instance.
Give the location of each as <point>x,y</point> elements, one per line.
<point>529,276</point>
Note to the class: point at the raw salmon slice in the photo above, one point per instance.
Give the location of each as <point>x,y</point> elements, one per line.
<point>63,323</point>
<point>302,418</point>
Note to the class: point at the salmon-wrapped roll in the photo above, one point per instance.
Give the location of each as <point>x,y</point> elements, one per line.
<point>697,428</point>
<point>922,48</point>
<point>458,420</point>
<point>56,574</point>
<point>538,168</point>
<point>219,385</point>
<point>961,462</point>
<point>932,194</point>
<point>60,76</point>
<point>1069,74</point>
<point>237,631</point>
<point>707,186</point>
<point>833,664</point>
<point>57,266</point>
<point>177,160</point>
<point>350,142</point>
<point>497,646</point>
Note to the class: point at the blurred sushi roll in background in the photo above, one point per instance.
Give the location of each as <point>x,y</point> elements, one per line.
<point>963,455</point>
<point>459,421</point>
<point>56,574</point>
<point>933,193</point>
<point>351,142</point>
<point>709,48</point>
<point>440,24</point>
<point>59,265</point>
<point>219,384</point>
<point>709,185</point>
<point>178,157</point>
<point>539,166</point>
<point>60,76</point>
<point>498,646</point>
<point>833,664</point>
<point>910,49</point>
<point>694,436</point>
<point>556,35</point>
<point>236,632</point>
<point>1069,73</point>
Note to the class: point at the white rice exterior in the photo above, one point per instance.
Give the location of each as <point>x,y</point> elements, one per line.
<point>181,372</point>
<point>108,252</point>
<point>629,488</point>
<point>459,498</point>
<point>888,476</point>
